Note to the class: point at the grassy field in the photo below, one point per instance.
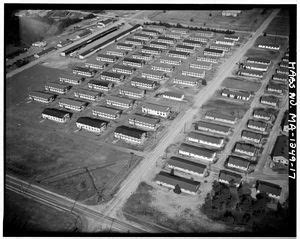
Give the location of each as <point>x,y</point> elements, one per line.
<point>255,52</point>
<point>248,20</point>
<point>280,24</point>
<point>181,213</point>
<point>38,149</point>
<point>226,107</point>
<point>23,216</point>
<point>241,84</point>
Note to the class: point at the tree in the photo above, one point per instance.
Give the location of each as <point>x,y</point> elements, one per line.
<point>172,171</point>
<point>192,19</point>
<point>204,82</point>
<point>177,189</point>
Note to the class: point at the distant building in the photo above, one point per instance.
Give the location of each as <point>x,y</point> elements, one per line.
<point>77,70</point>
<point>178,54</point>
<point>64,43</point>
<point>133,41</point>
<point>95,65</point>
<point>280,77</point>
<point>156,110</point>
<point>150,32</point>
<point>172,96</point>
<point>251,73</point>
<point>194,43</point>
<point>282,70</point>
<point>105,22</point>
<point>216,116</point>
<point>261,114</point>
<point>154,75</point>
<point>213,52</point>
<point>159,45</point>
<point>197,152</point>
<point>106,58</point>
<point>257,125</point>
<point>39,44</point>
<point>133,62</point>
<point>194,73</point>
<point>87,94</point>
<point>130,135</point>
<point>142,37</point>
<point>41,97</point>
<point>91,124</point>
<point>123,69</point>
<point>72,104</point>
<point>185,48</point>
<point>269,100</point>
<point>170,181</point>
<point>224,41</point>
<point>143,83</point>
<point>251,136</point>
<point>57,88</point>
<point>201,65</point>
<point>212,128</point>
<point>106,112</point>
<point>167,40</point>
<point>131,92</point>
<point>71,79</point>
<point>187,166</point>
<point>256,67</point>
<point>112,76</point>
<point>102,85</point>
<point>170,60</point>
<point>234,162</point>
<point>151,50</point>
<point>274,88</point>
<point>119,102</point>
<point>220,47</point>
<point>117,53</point>
<point>205,139</point>
<point>272,190</point>
<point>204,33</point>
<point>280,152</point>
<point>245,148</point>
<point>56,115</point>
<point>228,178</point>
<point>207,59</point>
<point>231,13</point>
<point>232,37</point>
<point>239,95</point>
<point>126,47</point>
<point>143,122</point>
<point>186,81</point>
<point>142,56</point>
<point>258,60</point>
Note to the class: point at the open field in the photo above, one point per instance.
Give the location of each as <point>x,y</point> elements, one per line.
<point>23,216</point>
<point>248,20</point>
<point>256,52</point>
<point>241,84</point>
<point>280,25</point>
<point>226,107</point>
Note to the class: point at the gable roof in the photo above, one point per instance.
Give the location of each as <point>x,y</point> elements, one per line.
<point>186,164</point>
<point>91,122</point>
<point>214,126</point>
<point>245,147</point>
<point>197,150</point>
<point>56,112</point>
<point>183,183</point>
<point>229,176</point>
<point>129,131</point>
<point>238,161</point>
<point>267,187</point>
<point>205,137</point>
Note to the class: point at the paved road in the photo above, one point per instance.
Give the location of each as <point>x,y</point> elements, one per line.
<point>60,202</point>
<point>133,180</point>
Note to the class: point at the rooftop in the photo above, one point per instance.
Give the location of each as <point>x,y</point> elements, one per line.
<point>230,176</point>
<point>56,112</point>
<point>183,183</point>
<point>205,137</point>
<point>266,187</point>
<point>186,164</point>
<point>238,161</point>
<point>197,150</point>
<point>213,126</point>
<point>157,107</point>
<point>92,122</point>
<point>132,132</point>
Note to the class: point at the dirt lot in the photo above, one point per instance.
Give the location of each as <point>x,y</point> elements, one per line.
<point>156,204</point>
<point>23,216</point>
<point>226,107</point>
<point>241,84</point>
<point>248,20</point>
<point>37,149</point>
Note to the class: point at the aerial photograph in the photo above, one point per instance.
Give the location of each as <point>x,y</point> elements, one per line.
<point>149,120</point>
